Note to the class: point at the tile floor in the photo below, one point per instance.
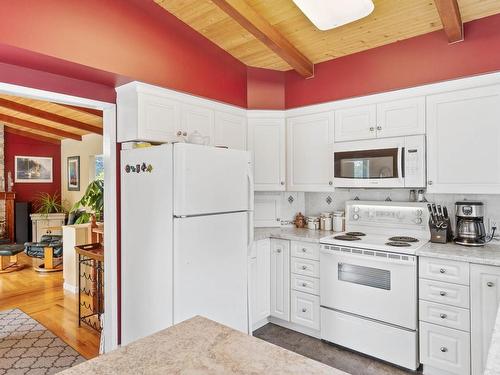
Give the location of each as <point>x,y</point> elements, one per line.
<point>342,359</point>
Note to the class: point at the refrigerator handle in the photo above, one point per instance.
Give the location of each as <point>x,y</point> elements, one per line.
<point>250,206</point>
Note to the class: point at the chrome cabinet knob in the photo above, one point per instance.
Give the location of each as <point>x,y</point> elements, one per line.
<point>429,182</point>
<point>304,310</point>
<point>304,284</point>
<point>282,183</point>
<point>490,284</point>
<point>372,128</point>
<point>304,267</point>
<point>330,183</point>
<point>442,293</point>
<point>442,270</point>
<point>442,316</point>
<point>443,349</point>
<point>278,251</point>
<point>379,127</point>
<point>304,250</point>
<point>179,133</point>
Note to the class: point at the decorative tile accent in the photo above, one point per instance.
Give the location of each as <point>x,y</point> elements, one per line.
<point>329,200</point>
<point>290,199</point>
<point>27,347</point>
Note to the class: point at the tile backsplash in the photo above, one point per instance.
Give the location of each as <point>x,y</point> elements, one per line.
<point>312,204</point>
<point>315,203</point>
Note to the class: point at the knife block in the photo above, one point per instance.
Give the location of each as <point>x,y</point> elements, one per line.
<point>440,235</point>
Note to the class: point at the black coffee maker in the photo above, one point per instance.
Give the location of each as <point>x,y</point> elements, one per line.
<point>470,224</point>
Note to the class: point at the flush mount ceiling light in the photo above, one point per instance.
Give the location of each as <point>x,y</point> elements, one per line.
<point>327,14</point>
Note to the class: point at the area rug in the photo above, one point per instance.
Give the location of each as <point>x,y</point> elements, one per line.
<point>28,348</point>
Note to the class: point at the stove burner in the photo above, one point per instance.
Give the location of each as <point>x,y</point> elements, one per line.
<point>398,244</point>
<point>355,234</point>
<point>347,238</point>
<point>403,239</point>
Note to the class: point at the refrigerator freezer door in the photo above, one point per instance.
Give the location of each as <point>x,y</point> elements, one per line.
<point>210,269</point>
<point>146,248</point>
<point>210,180</point>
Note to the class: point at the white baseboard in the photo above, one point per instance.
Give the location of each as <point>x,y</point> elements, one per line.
<point>296,327</point>
<point>70,288</point>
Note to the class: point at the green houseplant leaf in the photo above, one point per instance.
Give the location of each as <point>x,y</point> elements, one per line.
<point>92,201</point>
<point>46,203</point>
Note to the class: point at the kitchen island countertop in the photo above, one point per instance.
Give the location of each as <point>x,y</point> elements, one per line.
<point>201,346</point>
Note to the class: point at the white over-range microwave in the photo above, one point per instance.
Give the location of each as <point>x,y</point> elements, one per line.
<point>380,163</point>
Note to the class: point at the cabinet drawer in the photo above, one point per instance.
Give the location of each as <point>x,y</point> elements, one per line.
<point>444,270</point>
<point>305,309</point>
<point>445,348</point>
<point>305,267</point>
<point>445,315</point>
<point>305,284</point>
<point>305,250</point>
<point>449,294</point>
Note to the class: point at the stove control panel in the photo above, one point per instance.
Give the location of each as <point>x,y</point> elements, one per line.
<point>395,215</point>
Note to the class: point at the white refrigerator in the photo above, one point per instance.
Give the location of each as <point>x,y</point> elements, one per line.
<point>186,229</point>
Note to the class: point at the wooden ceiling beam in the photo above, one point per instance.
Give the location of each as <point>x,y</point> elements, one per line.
<point>89,111</point>
<point>260,28</point>
<point>449,12</point>
<point>39,127</point>
<point>26,134</point>
<point>49,116</point>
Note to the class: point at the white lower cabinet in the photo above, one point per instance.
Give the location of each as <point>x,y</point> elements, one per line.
<point>444,350</point>
<point>305,309</point>
<point>280,279</point>
<point>485,298</point>
<point>260,289</point>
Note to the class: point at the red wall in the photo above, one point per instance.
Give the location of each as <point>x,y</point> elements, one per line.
<point>265,89</point>
<point>16,145</point>
<point>133,38</point>
<point>411,62</point>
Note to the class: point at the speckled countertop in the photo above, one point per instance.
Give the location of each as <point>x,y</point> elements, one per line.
<point>291,233</point>
<point>201,346</point>
<point>488,254</point>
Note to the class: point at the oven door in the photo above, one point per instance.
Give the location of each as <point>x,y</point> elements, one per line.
<point>373,163</point>
<point>371,284</point>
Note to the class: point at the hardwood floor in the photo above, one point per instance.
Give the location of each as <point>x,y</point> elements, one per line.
<point>43,298</point>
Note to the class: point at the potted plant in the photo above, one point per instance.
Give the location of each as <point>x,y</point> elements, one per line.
<point>92,202</point>
<point>46,204</point>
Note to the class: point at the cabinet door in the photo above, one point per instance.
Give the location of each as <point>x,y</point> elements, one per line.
<point>401,117</point>
<point>252,292</point>
<point>159,118</point>
<point>310,152</point>
<point>485,298</point>
<point>230,131</point>
<point>198,119</point>
<point>266,138</point>
<point>463,141</point>
<point>355,123</point>
<point>263,282</point>
<point>280,279</point>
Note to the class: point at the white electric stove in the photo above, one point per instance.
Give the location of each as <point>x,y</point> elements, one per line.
<point>368,283</point>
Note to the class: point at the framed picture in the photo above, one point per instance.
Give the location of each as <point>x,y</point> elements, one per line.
<point>33,169</point>
<point>74,173</point>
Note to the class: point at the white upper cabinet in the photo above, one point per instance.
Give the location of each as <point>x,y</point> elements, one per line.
<point>310,152</point>
<point>463,141</point>
<point>485,299</point>
<point>230,131</point>
<point>355,123</point>
<point>147,117</point>
<point>401,117</point>
<point>266,140</point>
<point>154,114</point>
<point>200,119</point>
<point>388,119</point>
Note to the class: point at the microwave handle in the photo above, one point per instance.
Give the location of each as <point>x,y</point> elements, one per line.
<point>403,162</point>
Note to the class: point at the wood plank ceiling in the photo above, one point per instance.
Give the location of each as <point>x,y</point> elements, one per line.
<point>46,121</point>
<point>391,21</point>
